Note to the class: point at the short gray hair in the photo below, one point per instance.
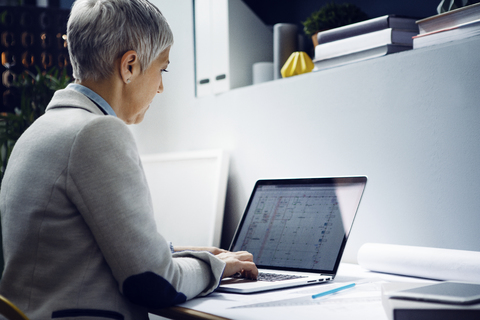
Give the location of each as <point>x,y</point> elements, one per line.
<point>101,31</point>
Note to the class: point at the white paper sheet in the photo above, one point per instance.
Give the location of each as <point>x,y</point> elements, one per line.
<point>361,302</point>
<point>431,263</point>
<point>364,299</point>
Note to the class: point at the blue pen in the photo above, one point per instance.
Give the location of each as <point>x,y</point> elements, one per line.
<point>318,295</point>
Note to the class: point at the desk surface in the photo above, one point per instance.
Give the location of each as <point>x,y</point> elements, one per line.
<point>296,303</point>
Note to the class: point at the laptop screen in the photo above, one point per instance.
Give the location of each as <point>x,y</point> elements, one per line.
<point>299,224</point>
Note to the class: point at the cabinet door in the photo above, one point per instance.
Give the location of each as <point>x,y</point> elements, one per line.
<point>211,46</point>
<point>220,30</point>
<point>203,46</point>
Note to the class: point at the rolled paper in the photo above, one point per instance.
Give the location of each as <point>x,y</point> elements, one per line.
<point>423,262</point>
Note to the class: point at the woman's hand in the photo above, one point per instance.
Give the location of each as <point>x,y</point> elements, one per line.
<point>238,262</point>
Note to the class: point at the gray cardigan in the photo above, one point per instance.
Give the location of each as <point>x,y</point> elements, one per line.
<point>79,237</point>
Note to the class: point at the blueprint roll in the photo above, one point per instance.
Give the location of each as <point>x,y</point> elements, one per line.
<point>285,38</point>
<point>423,262</point>
<point>262,72</point>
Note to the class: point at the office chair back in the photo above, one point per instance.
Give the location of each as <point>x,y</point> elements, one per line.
<point>10,311</point>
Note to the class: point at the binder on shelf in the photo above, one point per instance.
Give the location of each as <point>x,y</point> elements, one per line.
<point>229,39</point>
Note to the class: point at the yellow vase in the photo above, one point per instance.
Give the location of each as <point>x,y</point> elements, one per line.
<point>299,62</point>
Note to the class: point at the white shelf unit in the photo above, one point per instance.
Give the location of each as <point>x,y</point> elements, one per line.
<point>229,39</point>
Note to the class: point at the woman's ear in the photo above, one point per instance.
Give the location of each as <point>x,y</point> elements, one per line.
<point>129,66</point>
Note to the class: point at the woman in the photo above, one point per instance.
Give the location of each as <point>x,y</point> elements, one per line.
<point>79,235</point>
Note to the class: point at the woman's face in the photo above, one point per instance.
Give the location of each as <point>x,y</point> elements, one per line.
<point>143,89</point>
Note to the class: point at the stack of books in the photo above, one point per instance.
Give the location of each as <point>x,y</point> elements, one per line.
<point>364,40</point>
<point>453,25</point>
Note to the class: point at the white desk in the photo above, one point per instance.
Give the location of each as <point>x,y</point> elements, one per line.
<point>361,302</point>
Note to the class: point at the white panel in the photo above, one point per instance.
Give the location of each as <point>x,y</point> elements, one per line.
<point>188,195</point>
<point>204,45</point>
<point>220,49</point>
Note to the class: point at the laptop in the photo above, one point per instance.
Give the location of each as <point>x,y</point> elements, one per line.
<point>296,230</point>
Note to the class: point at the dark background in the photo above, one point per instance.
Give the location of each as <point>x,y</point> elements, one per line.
<point>295,11</point>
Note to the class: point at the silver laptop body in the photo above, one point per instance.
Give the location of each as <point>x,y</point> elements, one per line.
<point>296,227</point>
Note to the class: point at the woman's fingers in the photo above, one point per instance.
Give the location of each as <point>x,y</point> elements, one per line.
<point>240,261</point>
<point>250,271</point>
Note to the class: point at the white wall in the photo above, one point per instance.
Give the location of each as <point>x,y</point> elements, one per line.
<point>410,121</point>
<point>167,108</point>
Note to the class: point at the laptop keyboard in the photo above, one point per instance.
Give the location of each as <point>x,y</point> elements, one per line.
<point>271,277</point>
